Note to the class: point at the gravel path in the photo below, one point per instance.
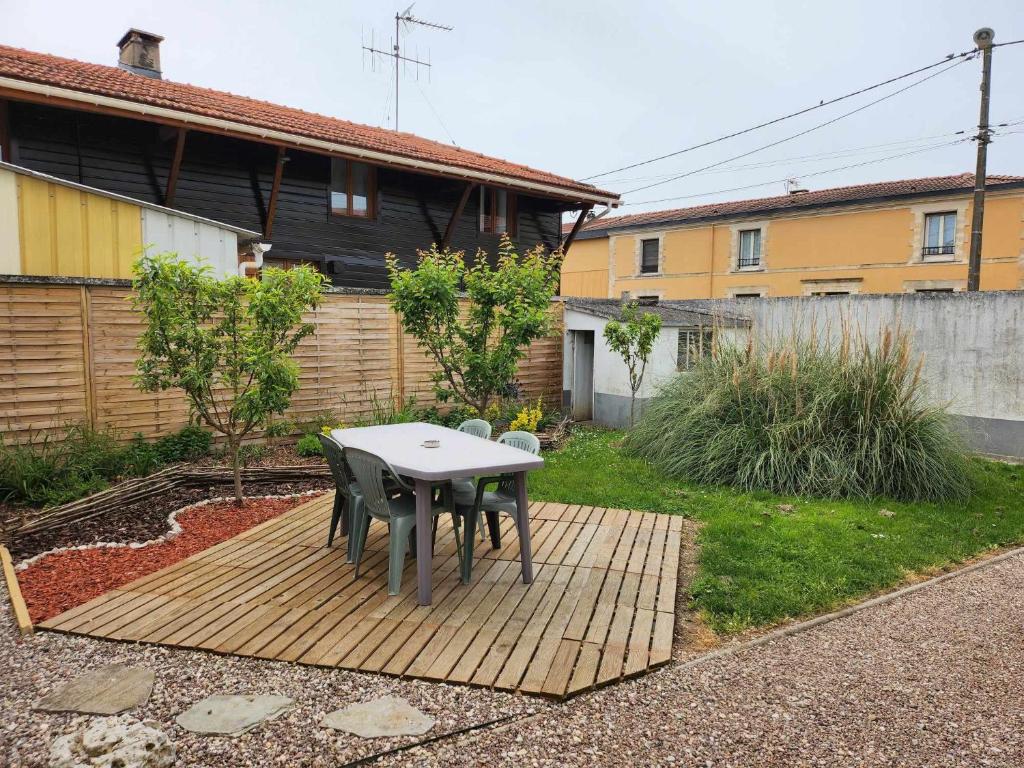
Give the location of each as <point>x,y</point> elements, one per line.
<point>37,665</point>
<point>933,678</point>
<point>930,679</point>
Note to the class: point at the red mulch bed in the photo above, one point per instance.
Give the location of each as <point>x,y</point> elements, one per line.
<point>60,581</point>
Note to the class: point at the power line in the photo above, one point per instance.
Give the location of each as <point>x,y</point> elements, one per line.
<point>438,116</point>
<point>820,105</point>
<point>801,133</point>
<point>835,153</point>
<point>804,176</point>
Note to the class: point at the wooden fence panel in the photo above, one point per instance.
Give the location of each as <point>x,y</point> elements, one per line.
<point>67,355</point>
<point>114,329</point>
<point>43,377</point>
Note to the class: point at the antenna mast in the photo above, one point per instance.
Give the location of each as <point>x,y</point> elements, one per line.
<point>407,18</point>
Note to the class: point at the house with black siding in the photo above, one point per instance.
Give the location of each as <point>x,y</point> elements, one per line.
<point>320,190</point>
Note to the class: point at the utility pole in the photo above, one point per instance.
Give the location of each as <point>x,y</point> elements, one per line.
<point>396,49</point>
<point>983,39</point>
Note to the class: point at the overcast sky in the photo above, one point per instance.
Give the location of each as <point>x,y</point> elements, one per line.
<point>582,88</point>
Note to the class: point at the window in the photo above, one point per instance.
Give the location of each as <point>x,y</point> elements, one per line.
<point>746,295</point>
<point>694,345</point>
<point>939,234</point>
<point>934,290</point>
<point>829,293</point>
<point>647,301</point>
<point>351,188</point>
<point>497,211</point>
<point>649,256</point>
<point>750,249</point>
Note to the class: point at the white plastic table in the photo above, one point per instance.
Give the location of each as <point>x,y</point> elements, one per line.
<point>459,455</point>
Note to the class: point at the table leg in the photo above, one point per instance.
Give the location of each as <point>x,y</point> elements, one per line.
<point>424,552</point>
<point>523,522</point>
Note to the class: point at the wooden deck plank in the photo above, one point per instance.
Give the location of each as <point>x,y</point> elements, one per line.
<point>601,606</point>
<point>547,653</point>
<point>584,673</point>
<point>661,640</point>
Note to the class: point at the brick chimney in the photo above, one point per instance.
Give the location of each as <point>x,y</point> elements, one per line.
<point>140,53</point>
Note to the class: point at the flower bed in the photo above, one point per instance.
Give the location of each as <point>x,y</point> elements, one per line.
<point>61,580</point>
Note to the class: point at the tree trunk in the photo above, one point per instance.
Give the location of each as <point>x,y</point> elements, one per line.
<point>632,409</point>
<point>235,446</point>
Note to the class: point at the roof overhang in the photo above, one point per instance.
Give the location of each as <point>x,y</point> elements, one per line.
<point>42,92</point>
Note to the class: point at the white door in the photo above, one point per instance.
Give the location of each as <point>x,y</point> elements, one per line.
<point>582,375</point>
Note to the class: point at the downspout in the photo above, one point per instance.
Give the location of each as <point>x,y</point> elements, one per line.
<point>711,266</point>
<point>257,249</point>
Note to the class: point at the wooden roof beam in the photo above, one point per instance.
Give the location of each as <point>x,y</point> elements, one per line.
<point>172,177</point>
<point>449,231</point>
<point>576,227</point>
<point>275,188</point>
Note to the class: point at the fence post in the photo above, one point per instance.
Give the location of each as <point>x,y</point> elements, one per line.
<point>400,353</point>
<point>87,361</point>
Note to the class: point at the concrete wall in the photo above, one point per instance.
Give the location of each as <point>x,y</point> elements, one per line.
<point>972,343</point>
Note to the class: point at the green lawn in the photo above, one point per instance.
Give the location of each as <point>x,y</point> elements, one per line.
<point>760,565</point>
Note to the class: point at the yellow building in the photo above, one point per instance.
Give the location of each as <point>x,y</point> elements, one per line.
<point>892,237</point>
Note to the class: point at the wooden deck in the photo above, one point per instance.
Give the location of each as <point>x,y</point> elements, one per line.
<point>601,608</point>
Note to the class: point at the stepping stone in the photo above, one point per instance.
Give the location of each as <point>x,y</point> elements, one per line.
<point>104,691</point>
<point>386,716</point>
<point>114,741</point>
<point>231,715</point>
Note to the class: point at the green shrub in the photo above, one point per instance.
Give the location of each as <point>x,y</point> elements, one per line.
<point>309,445</point>
<point>191,443</point>
<point>279,428</point>
<point>849,419</point>
<point>51,471</point>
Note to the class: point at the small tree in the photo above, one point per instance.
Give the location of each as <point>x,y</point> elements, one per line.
<point>633,339</point>
<point>225,343</point>
<point>509,305</point>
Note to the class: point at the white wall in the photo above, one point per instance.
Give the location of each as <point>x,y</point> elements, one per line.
<point>611,377</point>
<point>191,239</point>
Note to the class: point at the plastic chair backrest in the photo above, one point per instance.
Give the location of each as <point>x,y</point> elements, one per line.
<point>477,428</point>
<point>335,455</point>
<point>524,441</point>
<point>369,471</point>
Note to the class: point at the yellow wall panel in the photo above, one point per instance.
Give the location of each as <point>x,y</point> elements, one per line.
<point>37,245</point>
<point>129,237</point>
<point>100,240</point>
<point>68,224</point>
<point>72,233</point>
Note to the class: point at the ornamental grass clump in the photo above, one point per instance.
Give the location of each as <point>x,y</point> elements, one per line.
<point>803,417</point>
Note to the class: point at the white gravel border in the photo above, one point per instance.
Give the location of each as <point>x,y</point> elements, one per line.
<point>172,533</point>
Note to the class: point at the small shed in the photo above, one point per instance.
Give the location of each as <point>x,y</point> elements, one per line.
<point>52,227</point>
<point>595,379</point>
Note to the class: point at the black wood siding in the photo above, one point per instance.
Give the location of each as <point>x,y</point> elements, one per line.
<point>229,180</point>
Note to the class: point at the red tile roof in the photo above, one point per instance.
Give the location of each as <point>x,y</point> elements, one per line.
<point>117,83</point>
<point>861,193</point>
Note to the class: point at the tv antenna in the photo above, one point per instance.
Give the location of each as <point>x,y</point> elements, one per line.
<point>405,20</point>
